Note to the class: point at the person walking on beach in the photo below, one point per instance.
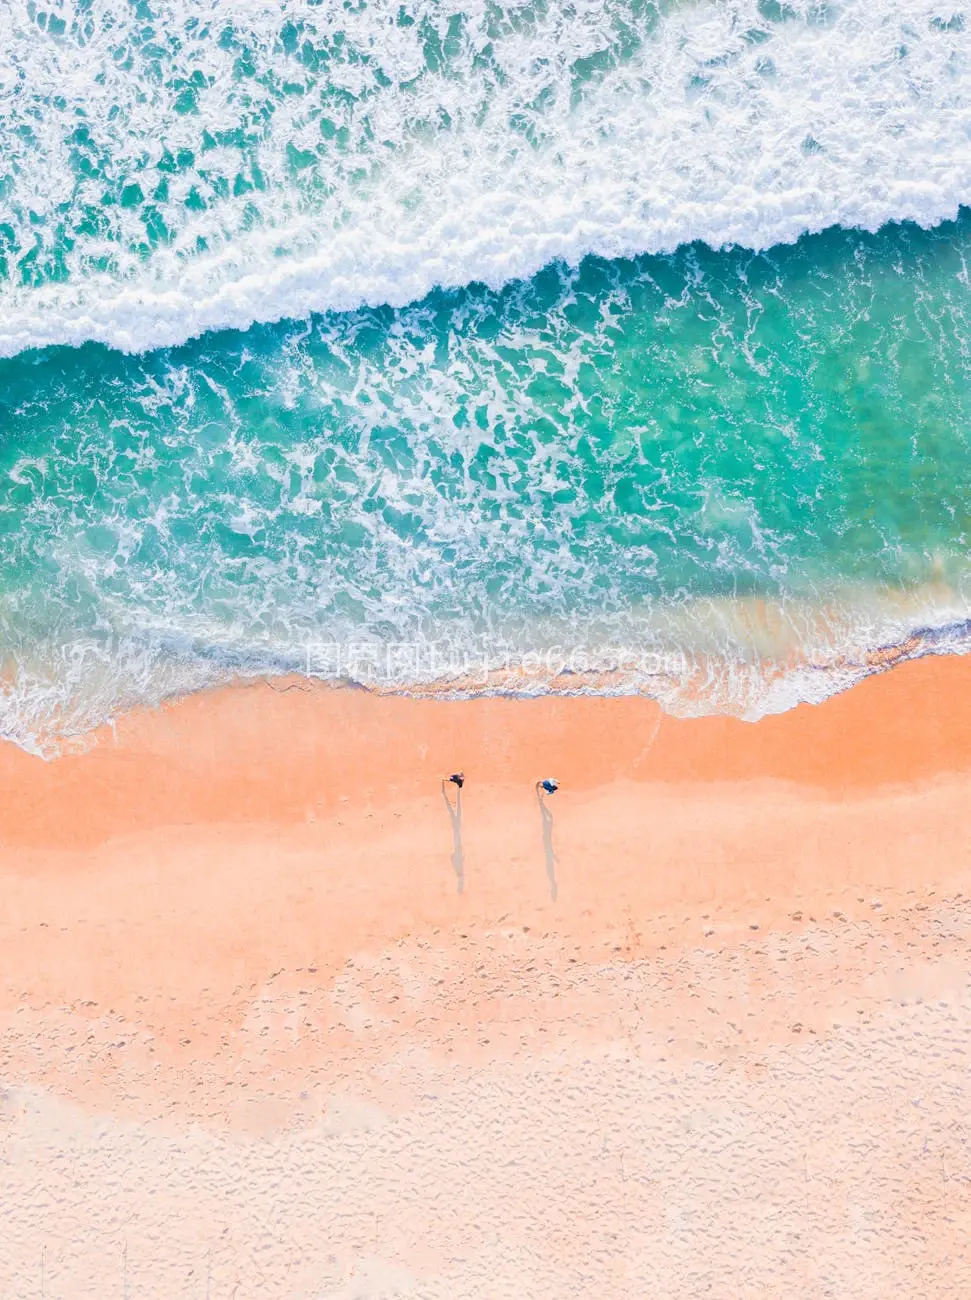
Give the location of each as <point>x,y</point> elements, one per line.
<point>455,813</point>
<point>549,785</point>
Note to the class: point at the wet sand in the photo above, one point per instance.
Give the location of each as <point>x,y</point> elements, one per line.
<point>277,1021</point>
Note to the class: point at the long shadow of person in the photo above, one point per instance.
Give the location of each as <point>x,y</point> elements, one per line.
<point>550,852</point>
<point>455,813</point>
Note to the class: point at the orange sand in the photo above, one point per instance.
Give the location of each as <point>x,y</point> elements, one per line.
<point>276,1023</point>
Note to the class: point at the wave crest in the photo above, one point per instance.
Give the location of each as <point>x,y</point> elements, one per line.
<point>220,165</point>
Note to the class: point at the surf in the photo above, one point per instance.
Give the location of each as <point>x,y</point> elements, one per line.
<point>171,169</point>
<point>727,480</point>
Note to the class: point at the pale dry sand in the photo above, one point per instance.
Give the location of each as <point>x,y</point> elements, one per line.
<point>273,1025</point>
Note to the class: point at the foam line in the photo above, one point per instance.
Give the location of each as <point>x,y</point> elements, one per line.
<point>53,705</point>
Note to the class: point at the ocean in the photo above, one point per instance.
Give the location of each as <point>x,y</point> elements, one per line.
<point>616,347</point>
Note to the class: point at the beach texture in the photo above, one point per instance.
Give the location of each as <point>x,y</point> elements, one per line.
<point>278,1022</point>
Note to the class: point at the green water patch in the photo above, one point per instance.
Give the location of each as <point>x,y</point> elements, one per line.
<point>627,436</point>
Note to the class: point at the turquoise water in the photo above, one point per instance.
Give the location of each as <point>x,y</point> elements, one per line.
<point>707,471</point>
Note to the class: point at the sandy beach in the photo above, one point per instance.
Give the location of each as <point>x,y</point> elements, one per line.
<point>279,1019</point>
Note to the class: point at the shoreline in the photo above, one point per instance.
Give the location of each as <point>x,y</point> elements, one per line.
<point>265,750</point>
<point>243,933</point>
<point>779,660</point>
<point>297,827</point>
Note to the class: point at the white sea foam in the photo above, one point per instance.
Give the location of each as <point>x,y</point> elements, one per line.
<point>463,147</point>
<point>707,657</point>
